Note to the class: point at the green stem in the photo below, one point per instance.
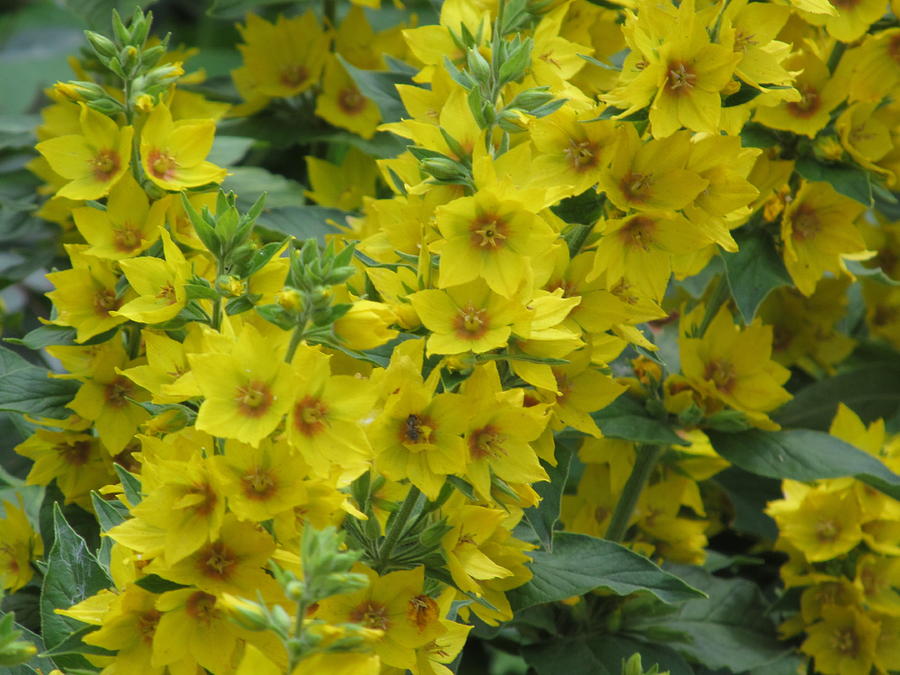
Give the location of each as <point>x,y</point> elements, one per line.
<point>329,12</point>
<point>216,321</point>
<point>835,57</point>
<point>647,456</point>
<point>296,654</point>
<point>398,524</point>
<point>716,300</point>
<point>133,344</point>
<point>299,332</point>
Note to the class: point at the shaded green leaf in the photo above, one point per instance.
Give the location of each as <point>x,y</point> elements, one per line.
<point>544,516</point>
<point>131,484</point>
<point>871,391</point>
<point>381,87</point>
<point>848,179</point>
<point>754,271</point>
<point>803,455</point>
<point>628,419</point>
<point>97,14</point>
<point>580,564</point>
<point>749,495</point>
<point>27,389</point>
<point>73,574</point>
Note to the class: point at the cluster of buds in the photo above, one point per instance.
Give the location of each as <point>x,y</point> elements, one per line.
<point>13,649</point>
<point>129,57</point>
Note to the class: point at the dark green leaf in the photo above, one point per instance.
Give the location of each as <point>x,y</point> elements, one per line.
<point>585,208</point>
<point>381,87</point>
<point>877,274</point>
<point>871,391</point>
<point>754,271</point>
<point>743,95</point>
<point>628,419</point>
<point>613,649</point>
<point>236,9</point>
<point>803,455</point>
<point>27,389</point>
<point>749,495</point>
<point>156,584</point>
<point>730,629</point>
<point>110,512</point>
<point>580,564</point>
<point>131,484</point>
<point>45,336</point>
<point>84,522</point>
<point>97,14</point>
<point>573,655</point>
<point>848,179</point>
<point>544,516</point>
<point>73,574</point>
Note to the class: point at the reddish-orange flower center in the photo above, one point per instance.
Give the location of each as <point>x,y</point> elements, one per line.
<point>105,301</point>
<point>293,75</point>
<point>105,164</point>
<point>581,155</point>
<point>488,230</point>
<point>76,454</point>
<point>162,164</point>
<point>146,624</point>
<point>638,233</point>
<point>680,78</point>
<point>351,101</point>
<point>636,186</point>
<point>471,323</point>
<point>721,374</point>
<point>216,561</point>
<point>804,224</point>
<point>422,610</point>
<point>808,104</point>
<point>202,607</point>
<point>416,429</point>
<point>126,238</point>
<point>253,399</point>
<point>310,416</point>
<point>486,442</point>
<point>117,391</point>
<point>259,483</point>
<point>371,615</point>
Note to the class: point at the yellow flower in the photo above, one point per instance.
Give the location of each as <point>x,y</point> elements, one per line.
<point>77,461</point>
<point>466,318</point>
<point>85,296</point>
<point>344,186</point>
<point>733,364</point>
<point>159,283</point>
<point>19,545</point>
<point>343,105</point>
<point>282,59</point>
<point>325,414</point>
<point>173,154</point>
<point>395,604</point>
<point>167,375</point>
<point>366,325</point>
<point>821,523</point>
<point>247,391</point>
<point>492,237</point>
<point>843,643</point>
<point>128,226</point>
<point>92,161</point>
<point>818,230</point>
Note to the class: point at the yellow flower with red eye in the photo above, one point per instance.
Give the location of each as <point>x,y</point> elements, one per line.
<point>395,604</point>
<point>734,364</point>
<point>128,226</point>
<point>466,318</point>
<point>818,232</point>
<point>246,392</point>
<point>324,417</point>
<point>491,236</point>
<point>93,161</point>
<point>342,103</point>
<point>85,296</point>
<point>173,154</point>
<point>159,283</point>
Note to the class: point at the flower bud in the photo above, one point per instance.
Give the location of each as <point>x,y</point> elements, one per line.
<point>103,46</point>
<point>366,325</point>
<point>443,168</point>
<point>246,613</point>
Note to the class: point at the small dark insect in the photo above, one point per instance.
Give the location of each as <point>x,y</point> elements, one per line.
<point>413,432</point>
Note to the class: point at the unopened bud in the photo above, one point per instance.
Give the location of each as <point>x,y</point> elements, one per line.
<point>290,299</point>
<point>248,614</point>
<point>531,99</point>
<point>230,286</point>
<point>130,58</point>
<point>144,103</point>
<point>443,168</point>
<point>103,46</point>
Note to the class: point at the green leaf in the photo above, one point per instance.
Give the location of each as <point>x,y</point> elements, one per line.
<point>45,336</point>
<point>858,269</point>
<point>381,87</point>
<point>73,574</point>
<point>229,150</point>
<point>803,455</point>
<point>17,131</point>
<point>73,645</point>
<point>109,512</point>
<point>156,584</point>
<point>544,516</point>
<point>743,95</point>
<point>871,391</point>
<point>628,419</point>
<point>236,9</point>
<point>27,389</point>
<point>600,655</point>
<point>728,630</point>
<point>584,208</point>
<point>97,14</point>
<point>848,179</point>
<point>131,484</point>
<point>84,522</point>
<point>44,664</point>
<point>580,564</point>
<point>754,271</point>
<point>749,495</point>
